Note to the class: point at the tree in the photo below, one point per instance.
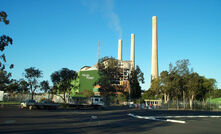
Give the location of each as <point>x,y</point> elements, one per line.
<point>109,73</point>
<point>149,94</point>
<point>135,77</point>
<point>62,81</point>
<point>4,41</point>
<point>216,93</point>
<point>208,86</point>
<point>23,86</point>
<point>165,85</point>
<point>20,86</point>
<point>4,79</point>
<point>183,71</point>
<point>173,83</point>
<point>32,75</point>
<point>44,86</point>
<point>109,78</point>
<point>13,87</point>
<point>155,88</point>
<point>181,83</point>
<point>76,86</point>
<point>193,87</point>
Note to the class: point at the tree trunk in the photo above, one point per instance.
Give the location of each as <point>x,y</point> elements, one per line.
<point>184,100</point>
<point>165,98</point>
<point>32,93</point>
<point>191,102</point>
<point>204,103</point>
<point>64,98</point>
<point>168,98</point>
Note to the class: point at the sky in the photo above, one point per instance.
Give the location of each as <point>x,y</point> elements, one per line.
<point>53,34</point>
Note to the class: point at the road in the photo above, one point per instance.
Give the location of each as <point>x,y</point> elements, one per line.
<point>21,121</point>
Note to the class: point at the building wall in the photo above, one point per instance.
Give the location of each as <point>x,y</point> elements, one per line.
<point>87,79</point>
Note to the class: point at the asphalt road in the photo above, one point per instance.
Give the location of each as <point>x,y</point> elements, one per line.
<point>21,121</point>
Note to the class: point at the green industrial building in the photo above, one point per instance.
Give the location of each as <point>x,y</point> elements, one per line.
<point>87,77</point>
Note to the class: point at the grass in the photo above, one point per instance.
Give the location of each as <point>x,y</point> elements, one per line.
<point>10,103</point>
<point>216,100</point>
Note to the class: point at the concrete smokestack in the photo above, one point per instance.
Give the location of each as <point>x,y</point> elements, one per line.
<point>119,49</point>
<point>154,66</point>
<point>132,56</point>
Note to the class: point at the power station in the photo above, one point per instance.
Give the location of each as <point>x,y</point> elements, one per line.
<point>89,75</point>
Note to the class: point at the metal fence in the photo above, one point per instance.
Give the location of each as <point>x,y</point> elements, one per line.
<point>196,105</point>
<point>178,105</point>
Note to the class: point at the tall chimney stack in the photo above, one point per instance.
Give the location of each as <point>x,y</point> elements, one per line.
<point>132,56</point>
<point>120,49</point>
<point>154,66</point>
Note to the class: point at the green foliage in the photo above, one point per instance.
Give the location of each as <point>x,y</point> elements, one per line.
<point>136,76</point>
<point>76,85</point>
<point>123,97</point>
<point>216,100</point>
<point>4,41</point>
<point>149,94</point>
<point>44,86</point>
<point>62,81</point>
<point>4,80</point>
<point>181,83</point>
<point>118,98</point>
<point>3,17</point>
<point>216,93</point>
<point>23,86</point>
<point>32,75</point>
<point>13,87</point>
<point>109,73</point>
<point>155,87</point>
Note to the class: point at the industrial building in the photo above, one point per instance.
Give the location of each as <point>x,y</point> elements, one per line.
<point>89,75</point>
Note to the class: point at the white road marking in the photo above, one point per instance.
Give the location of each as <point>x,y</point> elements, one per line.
<point>163,118</point>
<point>190,116</point>
<point>176,121</point>
<point>155,119</point>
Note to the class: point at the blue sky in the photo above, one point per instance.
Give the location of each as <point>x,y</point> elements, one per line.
<point>52,34</point>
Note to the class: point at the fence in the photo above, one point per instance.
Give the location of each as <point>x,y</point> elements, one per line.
<point>177,105</point>
<point>37,97</point>
<point>171,105</point>
<point>196,105</point>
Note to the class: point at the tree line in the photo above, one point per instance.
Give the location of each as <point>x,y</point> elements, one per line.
<point>181,83</point>
<point>61,80</point>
